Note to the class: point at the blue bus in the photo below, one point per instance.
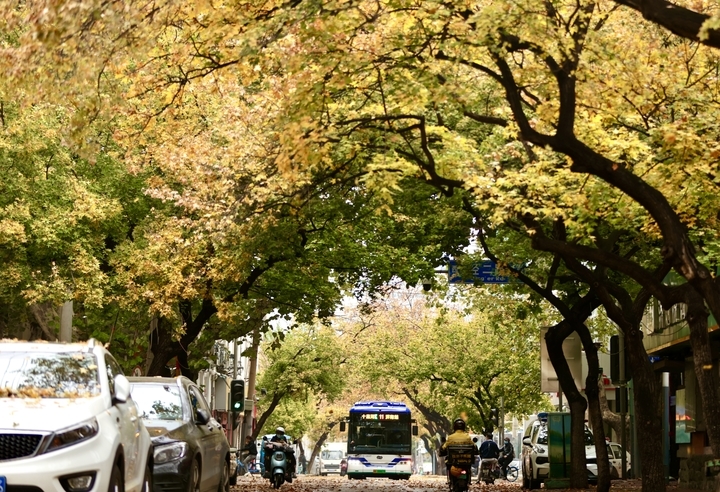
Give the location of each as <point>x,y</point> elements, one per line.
<point>379,440</point>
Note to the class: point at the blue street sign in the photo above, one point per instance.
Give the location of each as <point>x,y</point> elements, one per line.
<point>484,272</point>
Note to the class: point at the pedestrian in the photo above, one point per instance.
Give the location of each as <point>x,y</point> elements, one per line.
<point>251,449</point>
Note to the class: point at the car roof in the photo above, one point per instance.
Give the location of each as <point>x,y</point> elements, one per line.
<point>180,380</point>
<point>11,345</point>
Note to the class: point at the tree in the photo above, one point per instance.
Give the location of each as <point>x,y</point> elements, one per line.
<point>682,21</point>
<point>305,364</point>
<point>498,95</point>
<point>449,363</point>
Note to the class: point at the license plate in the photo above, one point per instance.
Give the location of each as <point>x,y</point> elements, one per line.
<point>374,471</point>
<point>3,484</point>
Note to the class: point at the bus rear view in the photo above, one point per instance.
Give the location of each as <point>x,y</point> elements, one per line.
<point>380,440</point>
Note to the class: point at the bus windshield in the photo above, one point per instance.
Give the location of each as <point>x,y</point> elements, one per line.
<point>379,433</point>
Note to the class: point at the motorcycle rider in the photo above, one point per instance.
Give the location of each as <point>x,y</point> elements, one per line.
<point>489,450</point>
<point>281,438</point>
<point>459,436</point>
<point>508,454</point>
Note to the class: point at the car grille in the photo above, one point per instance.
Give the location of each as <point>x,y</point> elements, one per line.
<point>14,446</point>
<point>23,488</point>
<point>541,460</point>
<point>169,486</point>
<point>332,467</point>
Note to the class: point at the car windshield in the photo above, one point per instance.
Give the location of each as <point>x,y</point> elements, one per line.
<point>332,455</point>
<point>48,375</point>
<point>158,401</point>
<point>542,436</point>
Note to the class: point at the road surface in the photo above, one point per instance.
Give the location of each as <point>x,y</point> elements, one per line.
<point>311,483</point>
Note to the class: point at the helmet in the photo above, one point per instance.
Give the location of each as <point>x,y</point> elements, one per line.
<point>280,431</point>
<point>459,424</point>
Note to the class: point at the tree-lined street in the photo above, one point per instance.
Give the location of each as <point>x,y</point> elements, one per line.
<point>293,179</point>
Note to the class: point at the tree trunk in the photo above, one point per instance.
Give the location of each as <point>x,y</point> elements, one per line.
<point>648,416</point>
<point>554,339</point>
<point>316,449</point>
<point>593,398</point>
<point>611,418</point>
<point>165,346</point>
<point>162,347</point>
<point>266,414</point>
<point>702,358</point>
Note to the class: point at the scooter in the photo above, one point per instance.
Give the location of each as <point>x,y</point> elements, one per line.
<point>459,466</point>
<point>343,468</point>
<point>489,470</point>
<point>279,471</point>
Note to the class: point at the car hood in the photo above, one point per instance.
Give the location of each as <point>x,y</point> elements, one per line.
<point>167,430</point>
<point>47,414</point>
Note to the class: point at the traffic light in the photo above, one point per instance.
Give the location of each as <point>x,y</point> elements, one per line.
<point>237,395</point>
<point>494,417</point>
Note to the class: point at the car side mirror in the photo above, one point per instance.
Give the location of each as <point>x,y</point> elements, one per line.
<point>526,441</point>
<point>342,426</point>
<point>122,389</point>
<point>202,416</point>
<point>414,430</point>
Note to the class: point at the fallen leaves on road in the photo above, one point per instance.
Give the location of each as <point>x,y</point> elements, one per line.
<point>309,483</point>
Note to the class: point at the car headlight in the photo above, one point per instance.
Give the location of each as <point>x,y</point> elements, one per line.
<point>539,449</point>
<point>169,452</point>
<point>73,435</point>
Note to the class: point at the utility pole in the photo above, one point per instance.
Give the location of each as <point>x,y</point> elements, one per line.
<point>66,317</point>
<point>252,376</point>
<point>501,423</point>
<point>623,401</point>
<point>666,424</point>
<point>231,414</point>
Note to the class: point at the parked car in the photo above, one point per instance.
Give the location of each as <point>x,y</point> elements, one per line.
<point>191,451</point>
<point>534,457</point>
<point>615,451</point>
<point>67,421</point>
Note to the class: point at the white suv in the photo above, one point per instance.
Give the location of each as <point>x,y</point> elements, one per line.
<point>535,463</point>
<point>67,422</point>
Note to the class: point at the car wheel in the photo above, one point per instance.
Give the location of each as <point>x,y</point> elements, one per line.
<point>194,477</point>
<point>532,482</point>
<point>116,480</point>
<point>535,483</point>
<point>148,478</point>
<point>233,478</point>
<point>224,484</point>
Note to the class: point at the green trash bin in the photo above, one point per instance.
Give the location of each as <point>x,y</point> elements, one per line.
<point>559,426</point>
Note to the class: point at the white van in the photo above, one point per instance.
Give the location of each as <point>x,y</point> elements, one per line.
<point>330,457</point>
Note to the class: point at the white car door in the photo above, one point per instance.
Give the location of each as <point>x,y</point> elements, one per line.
<point>126,416</point>
<point>209,432</point>
<point>615,455</point>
